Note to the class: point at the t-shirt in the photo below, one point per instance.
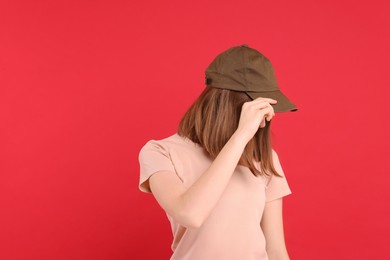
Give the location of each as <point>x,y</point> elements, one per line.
<point>232,231</point>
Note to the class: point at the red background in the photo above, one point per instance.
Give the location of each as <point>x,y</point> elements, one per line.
<point>84,84</point>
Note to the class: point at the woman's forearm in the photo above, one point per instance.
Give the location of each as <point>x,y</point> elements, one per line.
<point>199,200</point>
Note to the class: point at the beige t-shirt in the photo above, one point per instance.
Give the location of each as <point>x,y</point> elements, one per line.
<point>232,231</point>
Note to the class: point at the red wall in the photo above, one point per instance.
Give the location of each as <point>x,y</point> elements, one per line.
<point>84,84</point>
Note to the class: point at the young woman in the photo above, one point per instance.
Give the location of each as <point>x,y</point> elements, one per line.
<point>218,179</point>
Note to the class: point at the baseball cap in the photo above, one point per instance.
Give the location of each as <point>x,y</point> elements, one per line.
<point>245,69</point>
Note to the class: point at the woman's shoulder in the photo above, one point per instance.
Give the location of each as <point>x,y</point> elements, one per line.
<point>172,142</point>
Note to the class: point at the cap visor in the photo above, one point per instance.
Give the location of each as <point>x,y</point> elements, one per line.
<point>283,104</point>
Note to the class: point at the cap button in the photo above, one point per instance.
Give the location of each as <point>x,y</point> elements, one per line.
<point>244,45</point>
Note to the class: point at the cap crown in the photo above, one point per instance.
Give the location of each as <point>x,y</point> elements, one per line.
<point>242,68</point>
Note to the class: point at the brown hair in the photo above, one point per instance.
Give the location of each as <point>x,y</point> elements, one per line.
<point>213,118</point>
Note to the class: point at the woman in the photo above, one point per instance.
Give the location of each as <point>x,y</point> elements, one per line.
<point>218,178</point>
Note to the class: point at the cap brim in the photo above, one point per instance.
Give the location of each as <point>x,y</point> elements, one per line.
<point>283,104</point>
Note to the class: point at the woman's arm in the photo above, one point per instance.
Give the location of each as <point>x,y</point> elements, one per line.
<point>192,206</point>
<point>272,226</point>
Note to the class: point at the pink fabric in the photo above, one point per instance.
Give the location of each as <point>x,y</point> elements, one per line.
<point>232,231</point>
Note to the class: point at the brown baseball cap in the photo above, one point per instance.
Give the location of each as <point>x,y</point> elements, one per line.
<point>242,68</point>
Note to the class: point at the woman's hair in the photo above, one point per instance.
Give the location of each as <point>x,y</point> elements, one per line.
<point>213,118</point>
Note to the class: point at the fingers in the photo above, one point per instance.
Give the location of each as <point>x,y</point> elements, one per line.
<point>267,111</point>
<point>269,100</point>
<point>255,114</point>
<point>261,103</point>
<point>263,110</point>
<point>265,107</point>
<point>268,114</point>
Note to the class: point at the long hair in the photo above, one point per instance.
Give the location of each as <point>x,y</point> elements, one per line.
<point>213,118</point>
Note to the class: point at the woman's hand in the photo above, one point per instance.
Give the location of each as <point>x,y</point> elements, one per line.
<point>253,115</point>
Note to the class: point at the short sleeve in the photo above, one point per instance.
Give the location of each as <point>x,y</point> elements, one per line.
<point>153,157</point>
<point>277,187</point>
